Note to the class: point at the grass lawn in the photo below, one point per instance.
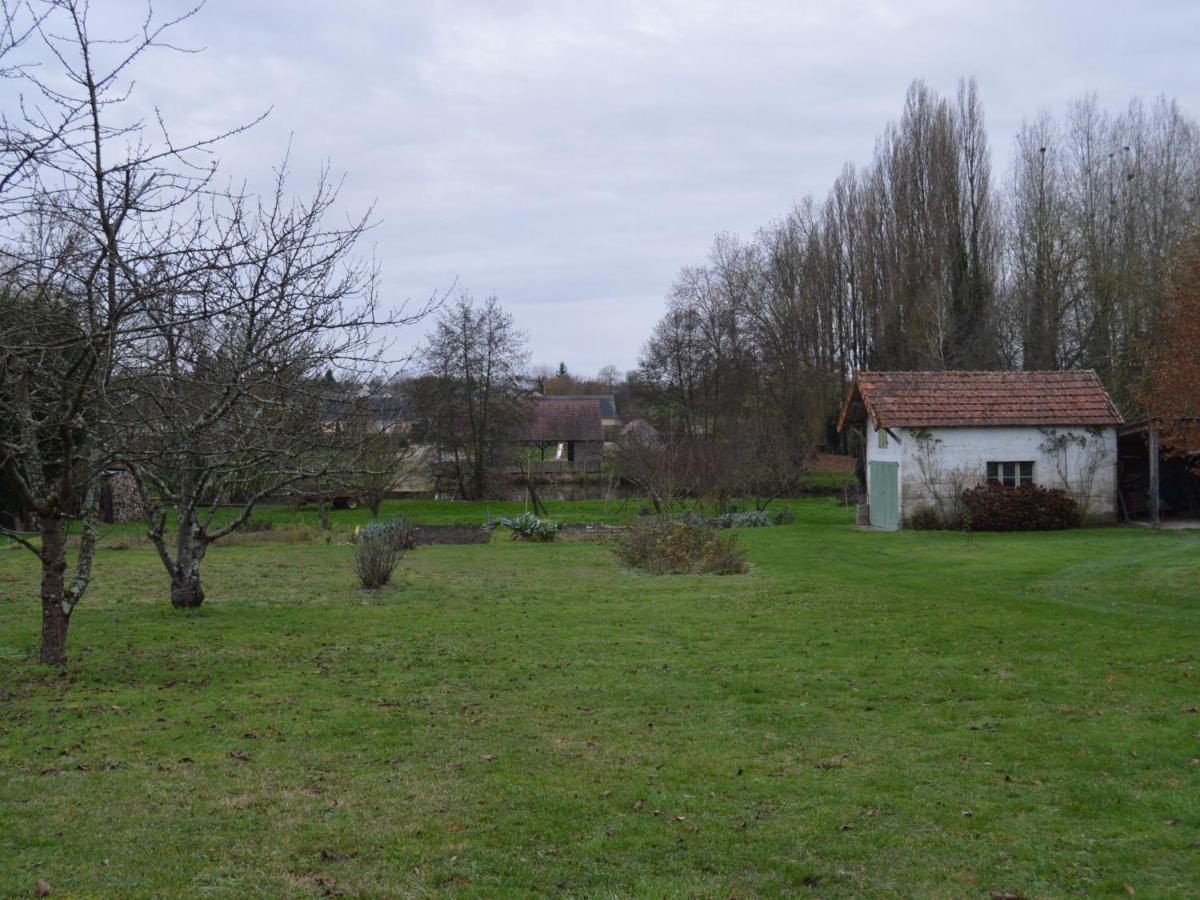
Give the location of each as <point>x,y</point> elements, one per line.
<point>909,714</point>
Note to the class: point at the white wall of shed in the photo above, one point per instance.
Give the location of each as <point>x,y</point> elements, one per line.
<point>970,450</point>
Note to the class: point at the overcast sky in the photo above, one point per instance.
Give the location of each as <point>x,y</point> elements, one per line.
<point>570,157</point>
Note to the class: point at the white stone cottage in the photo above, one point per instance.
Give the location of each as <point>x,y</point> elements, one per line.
<point>929,435</point>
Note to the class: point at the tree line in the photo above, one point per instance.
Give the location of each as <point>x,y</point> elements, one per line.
<point>925,259</point>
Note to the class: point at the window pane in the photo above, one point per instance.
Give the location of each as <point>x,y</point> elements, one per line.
<point>1027,473</point>
<point>992,474</point>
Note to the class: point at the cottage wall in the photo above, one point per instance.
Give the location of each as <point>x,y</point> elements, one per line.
<point>940,460</point>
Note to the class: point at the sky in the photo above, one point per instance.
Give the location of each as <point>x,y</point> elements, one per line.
<point>571,157</point>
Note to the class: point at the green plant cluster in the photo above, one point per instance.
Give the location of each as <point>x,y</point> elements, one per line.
<point>680,548</point>
<point>528,527</point>
<point>753,518</point>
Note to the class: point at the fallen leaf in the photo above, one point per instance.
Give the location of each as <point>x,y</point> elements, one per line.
<point>967,813</point>
<point>637,807</point>
<point>1129,890</point>
<point>1171,822</point>
<point>845,826</point>
<point>1191,709</point>
<point>488,757</point>
<point>43,889</point>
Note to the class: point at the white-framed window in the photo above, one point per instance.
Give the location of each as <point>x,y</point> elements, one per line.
<point>1010,474</point>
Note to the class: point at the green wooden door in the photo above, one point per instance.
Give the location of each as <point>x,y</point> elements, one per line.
<point>885,495</point>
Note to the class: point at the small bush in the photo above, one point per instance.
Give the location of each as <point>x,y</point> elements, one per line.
<point>378,549</point>
<point>680,548</point>
<point>994,507</point>
<point>528,527</point>
<point>785,516</point>
<point>925,518</point>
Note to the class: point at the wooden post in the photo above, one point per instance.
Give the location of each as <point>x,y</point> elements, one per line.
<point>1152,442</point>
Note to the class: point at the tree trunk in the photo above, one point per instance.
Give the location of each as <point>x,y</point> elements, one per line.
<point>55,617</point>
<point>186,592</point>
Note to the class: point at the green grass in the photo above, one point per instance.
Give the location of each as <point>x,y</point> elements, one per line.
<point>530,718</point>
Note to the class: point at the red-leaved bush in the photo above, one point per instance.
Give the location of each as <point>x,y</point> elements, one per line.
<point>994,507</point>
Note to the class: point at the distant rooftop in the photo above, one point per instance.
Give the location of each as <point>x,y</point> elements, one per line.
<point>565,419</point>
<point>608,403</point>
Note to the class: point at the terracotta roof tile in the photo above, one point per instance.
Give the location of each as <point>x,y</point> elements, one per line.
<point>973,399</point>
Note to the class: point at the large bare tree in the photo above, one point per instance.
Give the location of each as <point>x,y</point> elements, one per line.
<point>94,218</point>
<point>231,404</point>
<point>471,400</point>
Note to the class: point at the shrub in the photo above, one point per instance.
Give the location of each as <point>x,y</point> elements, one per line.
<point>378,548</point>
<point>785,516</point>
<point>528,527</point>
<point>925,518</point>
<point>256,524</point>
<point>679,548</point>
<point>994,507</point>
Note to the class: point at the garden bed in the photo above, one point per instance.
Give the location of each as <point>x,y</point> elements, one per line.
<point>450,534</point>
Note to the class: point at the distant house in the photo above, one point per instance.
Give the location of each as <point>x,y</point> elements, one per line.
<point>930,434</point>
<point>566,429</point>
<point>640,431</point>
<point>388,411</point>
<point>607,403</point>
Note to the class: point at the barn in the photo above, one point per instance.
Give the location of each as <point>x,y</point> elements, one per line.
<point>929,435</point>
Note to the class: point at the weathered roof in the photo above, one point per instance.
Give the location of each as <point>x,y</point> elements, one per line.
<point>573,419</point>
<point>979,399</point>
<point>608,403</point>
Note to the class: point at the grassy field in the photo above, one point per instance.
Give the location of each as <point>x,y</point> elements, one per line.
<point>863,714</point>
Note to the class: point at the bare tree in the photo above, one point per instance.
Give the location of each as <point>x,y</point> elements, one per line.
<point>471,400</point>
<point>231,404</point>
<point>88,240</point>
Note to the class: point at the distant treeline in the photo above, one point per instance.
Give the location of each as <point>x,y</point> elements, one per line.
<point>923,259</point>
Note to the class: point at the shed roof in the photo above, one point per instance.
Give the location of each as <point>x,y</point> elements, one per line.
<point>608,403</point>
<point>575,419</point>
<point>979,399</point>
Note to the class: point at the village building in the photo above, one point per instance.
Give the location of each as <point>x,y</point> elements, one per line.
<point>566,432</point>
<point>930,435</point>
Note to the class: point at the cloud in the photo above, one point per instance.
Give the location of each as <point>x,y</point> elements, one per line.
<point>571,157</point>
